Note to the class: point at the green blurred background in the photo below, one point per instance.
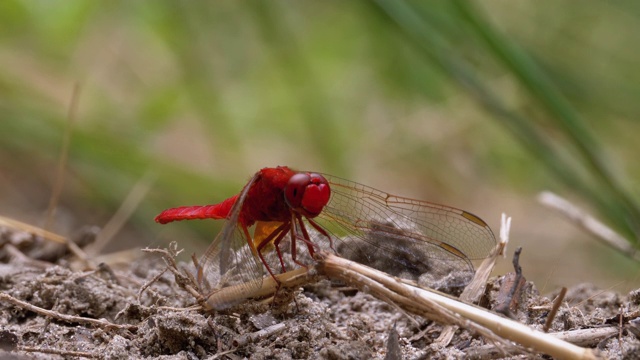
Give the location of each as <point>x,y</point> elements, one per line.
<point>477,105</point>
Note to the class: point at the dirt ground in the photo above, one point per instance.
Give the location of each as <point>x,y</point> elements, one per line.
<point>111,313</point>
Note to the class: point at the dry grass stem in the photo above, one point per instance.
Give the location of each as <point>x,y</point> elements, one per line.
<point>47,235</point>
<point>255,336</point>
<point>587,337</point>
<point>101,323</point>
<point>589,223</point>
<point>426,303</point>
<point>419,301</point>
<point>34,230</point>
<point>18,256</point>
<point>124,212</point>
<point>150,282</point>
<point>475,289</point>
<point>64,157</point>
<point>183,279</point>
<point>67,353</point>
<point>554,310</point>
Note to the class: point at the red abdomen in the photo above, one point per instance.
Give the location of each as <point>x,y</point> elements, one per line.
<point>217,211</point>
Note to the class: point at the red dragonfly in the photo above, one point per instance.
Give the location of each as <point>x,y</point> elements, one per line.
<point>302,212</point>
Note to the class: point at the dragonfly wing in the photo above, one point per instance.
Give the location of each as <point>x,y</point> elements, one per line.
<point>404,236</point>
<point>230,260</point>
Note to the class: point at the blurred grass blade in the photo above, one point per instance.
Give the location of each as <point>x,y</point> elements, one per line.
<point>424,32</point>
<point>536,81</point>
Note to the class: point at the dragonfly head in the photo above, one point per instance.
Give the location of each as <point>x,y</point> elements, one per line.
<point>307,193</point>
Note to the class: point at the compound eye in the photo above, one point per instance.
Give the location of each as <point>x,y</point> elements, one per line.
<point>307,193</point>
<point>294,191</point>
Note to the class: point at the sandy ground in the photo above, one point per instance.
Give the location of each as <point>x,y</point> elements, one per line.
<point>110,313</point>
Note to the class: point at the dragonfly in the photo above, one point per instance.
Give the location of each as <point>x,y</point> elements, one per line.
<point>283,217</point>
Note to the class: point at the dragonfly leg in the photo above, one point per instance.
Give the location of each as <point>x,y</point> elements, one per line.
<point>305,235</point>
<point>257,250</point>
<point>294,239</point>
<point>276,243</point>
<point>278,234</point>
<point>323,232</point>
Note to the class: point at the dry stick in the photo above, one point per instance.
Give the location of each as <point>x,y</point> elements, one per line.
<point>476,287</point>
<point>620,327</point>
<point>57,187</point>
<point>474,290</point>
<point>183,280</point>
<point>589,223</point>
<point>19,225</point>
<point>64,157</point>
<point>554,309</point>
<point>119,257</point>
<point>415,300</point>
<point>334,267</point>
<point>102,323</point>
<point>261,334</point>
<point>382,285</point>
<point>150,282</point>
<point>221,354</point>
<point>124,212</point>
<point>58,351</point>
<point>393,345</point>
<point>582,337</point>
<point>341,269</point>
<point>20,257</point>
<point>587,337</point>
<point>505,297</point>
<point>47,235</point>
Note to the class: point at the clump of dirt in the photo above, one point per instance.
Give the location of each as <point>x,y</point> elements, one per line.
<point>324,320</point>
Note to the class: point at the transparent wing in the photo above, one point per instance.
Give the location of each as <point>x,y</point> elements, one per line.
<point>402,236</point>
<point>230,261</point>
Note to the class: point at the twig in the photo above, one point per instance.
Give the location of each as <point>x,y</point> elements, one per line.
<point>64,157</point>
<point>429,304</point>
<point>150,282</point>
<point>506,297</point>
<point>102,323</point>
<point>19,257</point>
<point>505,229</point>
<point>620,328</point>
<point>582,337</point>
<point>417,299</point>
<point>587,337</point>
<point>19,225</point>
<point>554,309</point>
<point>406,296</point>
<point>184,309</point>
<point>261,334</point>
<point>393,345</point>
<point>184,281</point>
<point>223,353</point>
<point>58,351</point>
<point>47,235</point>
<point>589,223</point>
<point>59,182</point>
<point>475,289</point>
<point>117,221</point>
